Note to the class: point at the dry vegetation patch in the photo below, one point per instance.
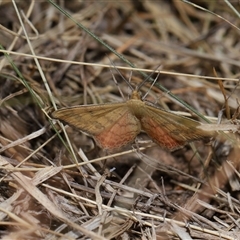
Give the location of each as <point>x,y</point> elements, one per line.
<point>64,185</point>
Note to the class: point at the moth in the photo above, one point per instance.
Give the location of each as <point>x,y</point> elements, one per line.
<point>114,125</point>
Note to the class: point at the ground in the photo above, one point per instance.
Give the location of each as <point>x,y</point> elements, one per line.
<point>57,181</point>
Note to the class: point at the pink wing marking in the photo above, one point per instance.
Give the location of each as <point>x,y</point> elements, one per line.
<point>124,131</point>
<point>160,135</point>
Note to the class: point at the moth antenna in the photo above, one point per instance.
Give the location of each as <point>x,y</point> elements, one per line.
<point>116,83</point>
<point>128,82</point>
<point>151,86</point>
<point>145,80</point>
